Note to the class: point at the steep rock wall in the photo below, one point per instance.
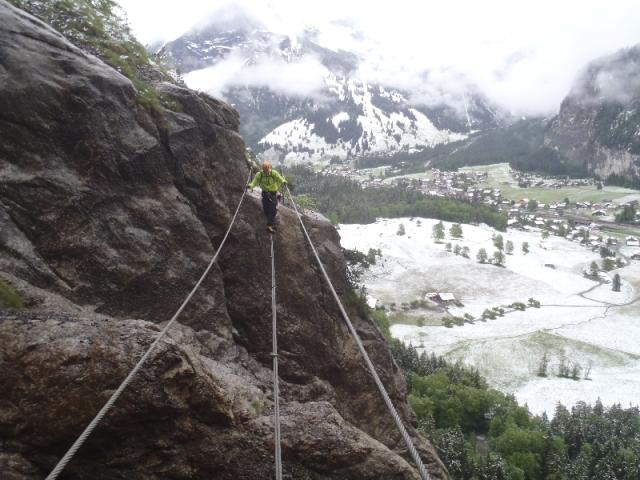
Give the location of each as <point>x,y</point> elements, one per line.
<point>598,126</point>
<point>108,215</point>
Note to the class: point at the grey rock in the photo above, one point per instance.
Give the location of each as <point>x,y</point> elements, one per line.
<point>109,215</point>
<point>598,123</point>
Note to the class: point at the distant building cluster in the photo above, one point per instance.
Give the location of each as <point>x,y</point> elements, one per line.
<point>527,180</point>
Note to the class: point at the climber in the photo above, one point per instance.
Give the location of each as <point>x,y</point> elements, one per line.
<point>270,182</point>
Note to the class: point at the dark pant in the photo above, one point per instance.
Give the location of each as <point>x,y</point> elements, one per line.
<point>270,206</point>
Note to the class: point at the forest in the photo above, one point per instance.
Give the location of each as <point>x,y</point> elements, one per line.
<point>623,181</point>
<point>520,145</point>
<point>483,434</point>
<point>343,200</point>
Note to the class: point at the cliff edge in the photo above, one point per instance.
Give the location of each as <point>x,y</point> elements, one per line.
<point>109,213</point>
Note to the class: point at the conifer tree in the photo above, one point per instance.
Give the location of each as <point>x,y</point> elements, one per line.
<point>616,283</point>
<point>498,258</point>
<point>498,242</point>
<point>438,231</point>
<point>509,247</point>
<point>455,231</point>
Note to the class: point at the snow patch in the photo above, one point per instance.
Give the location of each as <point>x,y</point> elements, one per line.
<point>340,117</point>
<point>580,320</point>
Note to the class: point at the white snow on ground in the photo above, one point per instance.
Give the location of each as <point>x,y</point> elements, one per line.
<point>604,294</point>
<point>581,322</point>
<point>610,385</point>
<point>340,117</point>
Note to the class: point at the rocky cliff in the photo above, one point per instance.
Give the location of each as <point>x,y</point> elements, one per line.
<point>598,126</point>
<point>109,212</point>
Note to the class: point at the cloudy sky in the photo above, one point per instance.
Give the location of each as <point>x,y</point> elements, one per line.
<point>523,54</point>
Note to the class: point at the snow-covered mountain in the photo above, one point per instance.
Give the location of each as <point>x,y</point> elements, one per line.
<point>299,100</point>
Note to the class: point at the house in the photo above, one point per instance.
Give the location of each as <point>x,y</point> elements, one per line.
<point>635,256</point>
<point>599,213</point>
<point>441,297</point>
<point>632,242</point>
<point>581,221</point>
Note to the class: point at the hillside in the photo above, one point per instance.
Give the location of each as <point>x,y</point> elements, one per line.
<point>344,117</point>
<point>111,204</point>
<point>598,126</point>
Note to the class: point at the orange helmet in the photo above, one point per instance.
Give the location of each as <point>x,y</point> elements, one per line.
<point>266,166</point>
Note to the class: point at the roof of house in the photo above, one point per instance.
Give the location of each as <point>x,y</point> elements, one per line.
<point>446,297</point>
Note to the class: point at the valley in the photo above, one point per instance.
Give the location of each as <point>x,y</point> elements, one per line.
<point>580,324</point>
<point>490,234</point>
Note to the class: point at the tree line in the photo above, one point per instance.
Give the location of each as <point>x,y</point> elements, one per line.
<point>483,434</point>
<point>343,200</point>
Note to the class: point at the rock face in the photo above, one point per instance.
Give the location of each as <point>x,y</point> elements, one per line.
<point>598,127</point>
<point>108,215</point>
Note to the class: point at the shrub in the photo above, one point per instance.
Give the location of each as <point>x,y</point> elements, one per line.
<point>9,298</point>
<point>490,314</point>
<point>380,318</point>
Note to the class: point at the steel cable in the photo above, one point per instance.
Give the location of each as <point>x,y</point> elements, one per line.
<point>107,406</point>
<point>274,354</point>
<point>403,431</point>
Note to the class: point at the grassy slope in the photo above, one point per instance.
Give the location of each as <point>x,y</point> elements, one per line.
<point>97,27</point>
<point>500,178</point>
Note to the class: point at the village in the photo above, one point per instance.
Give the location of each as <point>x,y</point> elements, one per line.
<point>591,223</point>
<point>551,294</point>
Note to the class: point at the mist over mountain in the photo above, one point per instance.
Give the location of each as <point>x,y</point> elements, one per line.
<point>598,126</point>
<point>305,96</point>
<point>300,100</point>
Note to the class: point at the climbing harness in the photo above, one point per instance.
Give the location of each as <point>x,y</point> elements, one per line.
<point>107,406</point>
<point>274,354</point>
<point>405,435</point>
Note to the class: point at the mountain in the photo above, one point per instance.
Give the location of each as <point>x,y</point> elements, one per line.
<point>345,117</point>
<point>112,201</point>
<point>596,132</point>
<point>598,126</point>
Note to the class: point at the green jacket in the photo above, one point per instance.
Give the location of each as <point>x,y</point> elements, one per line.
<point>268,183</point>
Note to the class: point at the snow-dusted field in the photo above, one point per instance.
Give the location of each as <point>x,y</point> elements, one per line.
<point>583,324</point>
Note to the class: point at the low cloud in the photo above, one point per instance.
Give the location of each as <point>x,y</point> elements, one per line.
<point>620,82</point>
<point>302,78</point>
<point>524,56</point>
